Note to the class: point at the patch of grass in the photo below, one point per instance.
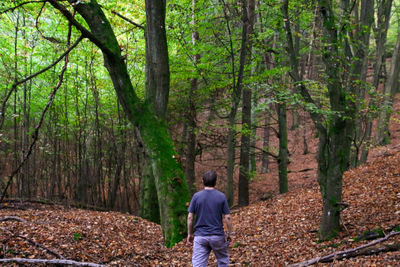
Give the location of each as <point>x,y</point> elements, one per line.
<point>237,244</point>
<point>77,236</point>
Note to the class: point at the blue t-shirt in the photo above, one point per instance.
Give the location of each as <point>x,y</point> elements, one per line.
<point>208,205</point>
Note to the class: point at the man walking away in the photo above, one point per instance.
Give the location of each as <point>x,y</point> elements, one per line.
<point>210,207</point>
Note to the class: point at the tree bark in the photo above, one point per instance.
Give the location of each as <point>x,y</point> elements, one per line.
<point>283,147</point>
<point>265,156</point>
<point>244,166</point>
<point>157,91</point>
<point>335,143</point>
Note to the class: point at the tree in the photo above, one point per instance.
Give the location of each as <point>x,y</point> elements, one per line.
<point>380,33</point>
<point>244,168</point>
<point>335,130</point>
<point>390,90</point>
<point>170,182</point>
<point>157,91</point>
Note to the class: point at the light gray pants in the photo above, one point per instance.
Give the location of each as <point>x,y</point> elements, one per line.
<point>204,244</point>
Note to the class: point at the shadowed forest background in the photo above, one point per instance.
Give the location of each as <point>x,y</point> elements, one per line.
<point>122,105</point>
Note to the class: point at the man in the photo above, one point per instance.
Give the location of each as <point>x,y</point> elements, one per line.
<point>210,207</point>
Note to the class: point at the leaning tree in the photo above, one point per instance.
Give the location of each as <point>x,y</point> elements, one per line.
<point>170,183</point>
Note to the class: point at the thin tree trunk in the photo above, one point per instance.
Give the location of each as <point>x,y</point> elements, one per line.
<point>265,159</point>
<point>359,68</point>
<point>244,174</point>
<point>283,147</point>
<point>380,30</point>
<point>383,135</point>
<point>237,90</point>
<point>190,153</point>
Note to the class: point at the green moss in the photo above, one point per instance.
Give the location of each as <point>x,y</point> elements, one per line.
<point>367,235</point>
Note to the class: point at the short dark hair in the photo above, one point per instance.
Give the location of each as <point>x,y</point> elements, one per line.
<point>210,178</point>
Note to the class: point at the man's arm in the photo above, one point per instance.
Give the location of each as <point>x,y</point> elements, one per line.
<point>190,227</point>
<point>228,222</point>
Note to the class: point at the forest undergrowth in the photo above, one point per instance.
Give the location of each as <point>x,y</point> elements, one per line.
<point>277,231</point>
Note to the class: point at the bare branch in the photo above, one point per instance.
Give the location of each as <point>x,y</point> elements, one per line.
<point>12,218</point>
<point>20,5</point>
<point>128,20</point>
<point>31,241</point>
<point>14,86</point>
<point>266,152</point>
<point>55,261</point>
<point>51,39</point>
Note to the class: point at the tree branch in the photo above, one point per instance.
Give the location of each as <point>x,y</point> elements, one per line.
<point>20,5</point>
<point>14,86</point>
<point>349,252</point>
<point>266,152</point>
<point>85,32</point>
<point>12,218</point>
<point>33,242</point>
<point>55,261</point>
<point>128,20</point>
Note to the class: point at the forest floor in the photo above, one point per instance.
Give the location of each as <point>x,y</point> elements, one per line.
<point>275,230</point>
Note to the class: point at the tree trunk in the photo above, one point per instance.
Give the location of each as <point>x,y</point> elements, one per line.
<point>157,90</point>
<point>265,159</point>
<point>334,142</point>
<point>190,153</point>
<point>170,182</point>
<point>283,147</point>
<point>381,29</point>
<point>244,173</point>
<point>237,90</point>
<point>359,62</point>
<point>383,135</point>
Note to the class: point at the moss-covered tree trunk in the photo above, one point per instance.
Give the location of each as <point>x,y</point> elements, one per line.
<point>157,91</point>
<point>170,182</point>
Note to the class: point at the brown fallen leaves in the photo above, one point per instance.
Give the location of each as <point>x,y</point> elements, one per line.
<point>277,232</point>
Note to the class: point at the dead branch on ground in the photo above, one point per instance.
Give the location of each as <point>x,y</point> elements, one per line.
<point>54,261</point>
<point>12,218</point>
<point>349,253</point>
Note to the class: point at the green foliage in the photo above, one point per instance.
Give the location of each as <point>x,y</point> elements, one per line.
<point>77,237</point>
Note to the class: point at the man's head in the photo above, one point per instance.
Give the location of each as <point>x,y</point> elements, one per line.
<point>209,178</point>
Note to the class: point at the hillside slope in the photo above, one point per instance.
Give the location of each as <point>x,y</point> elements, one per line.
<point>275,232</point>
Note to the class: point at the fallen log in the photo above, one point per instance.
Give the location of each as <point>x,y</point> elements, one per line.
<point>54,261</point>
<point>354,252</point>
